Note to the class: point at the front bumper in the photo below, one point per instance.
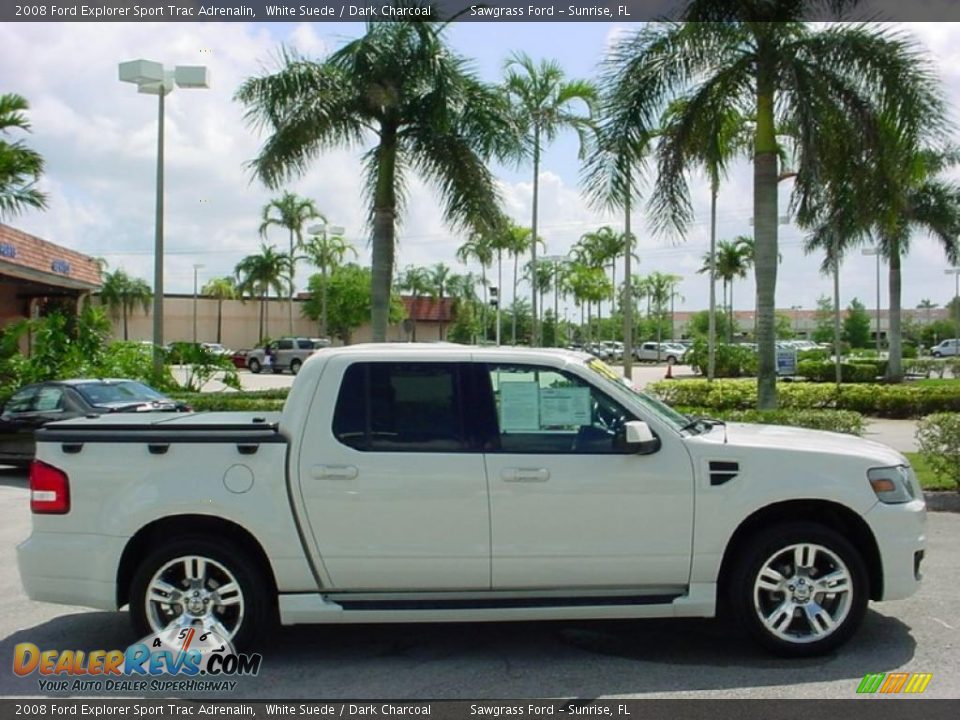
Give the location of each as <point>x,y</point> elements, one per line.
<point>900,534</point>
<point>71,569</point>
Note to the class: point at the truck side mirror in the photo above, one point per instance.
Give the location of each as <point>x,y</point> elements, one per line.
<point>639,438</point>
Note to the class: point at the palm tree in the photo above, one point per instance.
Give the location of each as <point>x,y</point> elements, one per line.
<point>416,104</point>
<point>20,167</point>
<point>122,294</point>
<point>326,252</point>
<point>478,247</point>
<point>543,103</point>
<point>224,288</point>
<point>829,83</point>
<point>515,240</point>
<point>733,260</point>
<point>257,275</point>
<point>438,278</point>
<point>660,288</point>
<point>416,281</point>
<point>291,212</point>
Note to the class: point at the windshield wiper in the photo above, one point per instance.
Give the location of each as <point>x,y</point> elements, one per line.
<point>699,421</point>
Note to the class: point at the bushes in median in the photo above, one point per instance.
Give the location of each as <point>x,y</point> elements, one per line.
<point>938,436</point>
<point>252,401</point>
<point>859,370</point>
<point>894,401</point>
<point>843,421</point>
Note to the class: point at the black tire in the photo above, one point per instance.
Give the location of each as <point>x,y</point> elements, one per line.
<point>254,366</point>
<point>754,555</point>
<point>258,614</point>
<point>295,366</point>
<point>671,360</point>
<point>276,370</point>
<point>936,353</point>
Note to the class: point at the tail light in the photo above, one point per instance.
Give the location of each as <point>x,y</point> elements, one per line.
<point>49,490</point>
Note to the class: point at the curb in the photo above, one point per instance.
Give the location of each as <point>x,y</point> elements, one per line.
<point>943,501</point>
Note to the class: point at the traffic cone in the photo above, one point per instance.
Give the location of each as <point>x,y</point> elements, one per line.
<point>669,375</point>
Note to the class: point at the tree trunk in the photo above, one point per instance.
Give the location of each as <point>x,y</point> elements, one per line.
<point>384,217</point>
<point>513,335</point>
<point>627,285</point>
<point>125,337</point>
<point>712,326</point>
<point>292,273</point>
<point>534,331</point>
<point>730,311</point>
<point>219,320</point>
<point>765,227</point>
<point>323,301</point>
<point>895,342</point>
<point>483,313</point>
<point>837,351</point>
<point>261,317</point>
<point>499,295</point>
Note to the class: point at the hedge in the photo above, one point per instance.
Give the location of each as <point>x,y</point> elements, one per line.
<point>858,370</point>
<point>938,436</point>
<point>265,400</point>
<point>893,401</point>
<point>842,421</point>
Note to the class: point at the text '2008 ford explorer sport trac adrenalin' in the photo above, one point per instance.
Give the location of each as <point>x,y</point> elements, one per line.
<point>447,483</point>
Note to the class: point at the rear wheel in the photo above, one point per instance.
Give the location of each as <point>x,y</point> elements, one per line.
<point>192,582</point>
<point>295,366</point>
<point>254,366</point>
<point>800,589</point>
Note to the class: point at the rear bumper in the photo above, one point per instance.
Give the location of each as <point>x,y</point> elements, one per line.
<point>71,569</point>
<point>900,534</point>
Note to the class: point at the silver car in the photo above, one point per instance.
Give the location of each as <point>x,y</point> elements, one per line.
<point>283,354</point>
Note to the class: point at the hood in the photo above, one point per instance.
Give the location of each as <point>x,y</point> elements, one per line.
<point>820,442</point>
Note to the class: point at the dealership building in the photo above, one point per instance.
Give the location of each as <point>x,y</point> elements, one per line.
<point>36,274</point>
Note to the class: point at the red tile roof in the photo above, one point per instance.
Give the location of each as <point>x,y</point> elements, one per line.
<point>425,309</point>
<point>58,264</point>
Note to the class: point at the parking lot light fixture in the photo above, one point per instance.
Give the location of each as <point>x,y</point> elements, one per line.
<point>152,78</point>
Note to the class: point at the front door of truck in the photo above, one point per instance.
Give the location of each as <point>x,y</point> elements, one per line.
<point>392,477</point>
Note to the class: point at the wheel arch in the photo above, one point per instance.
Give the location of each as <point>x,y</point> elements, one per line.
<point>824,512</point>
<point>175,525</point>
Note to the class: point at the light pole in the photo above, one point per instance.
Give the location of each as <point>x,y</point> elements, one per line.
<point>956,296</point>
<point>151,78</point>
<point>673,294</point>
<point>876,251</point>
<point>197,266</point>
<point>796,318</point>
<point>322,230</point>
<point>555,260</point>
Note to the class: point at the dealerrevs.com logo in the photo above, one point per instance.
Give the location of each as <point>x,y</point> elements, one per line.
<point>200,660</point>
<point>894,683</point>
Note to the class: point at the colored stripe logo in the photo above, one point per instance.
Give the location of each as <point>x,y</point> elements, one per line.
<point>893,683</point>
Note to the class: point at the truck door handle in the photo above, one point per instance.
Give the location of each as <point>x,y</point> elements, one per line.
<point>334,472</point>
<point>525,474</point>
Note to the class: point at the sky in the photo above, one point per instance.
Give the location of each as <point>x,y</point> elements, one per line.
<point>98,137</point>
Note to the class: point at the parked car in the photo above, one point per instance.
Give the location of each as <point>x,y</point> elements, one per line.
<point>34,406</point>
<point>239,358</point>
<point>659,352</point>
<point>284,354</point>
<point>216,348</point>
<point>947,348</point>
<point>412,483</point>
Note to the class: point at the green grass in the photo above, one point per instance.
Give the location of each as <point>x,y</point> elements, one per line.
<point>936,382</point>
<point>929,480</point>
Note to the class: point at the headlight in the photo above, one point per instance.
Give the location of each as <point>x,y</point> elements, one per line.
<point>892,484</point>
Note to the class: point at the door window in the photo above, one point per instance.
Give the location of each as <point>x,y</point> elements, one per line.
<point>545,410</point>
<point>401,407</point>
<point>21,401</point>
<point>48,399</point>
<point>285,344</point>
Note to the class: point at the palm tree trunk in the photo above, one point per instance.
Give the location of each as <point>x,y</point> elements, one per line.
<point>323,301</point>
<point>895,343</point>
<point>837,351</point>
<point>219,320</point>
<point>627,286</point>
<point>483,313</point>
<point>292,273</point>
<point>384,216</point>
<point>613,300</point>
<point>765,214</point>
<point>730,310</point>
<point>499,293</point>
<point>712,326</point>
<point>261,316</point>
<point>533,244</point>
<point>125,337</point>
<point>513,334</point>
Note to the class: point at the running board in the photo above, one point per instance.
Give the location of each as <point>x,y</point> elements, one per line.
<point>308,608</point>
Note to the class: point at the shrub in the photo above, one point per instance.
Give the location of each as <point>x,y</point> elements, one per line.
<point>842,421</point>
<point>925,367</point>
<point>266,401</point>
<point>938,436</point>
<point>812,355</point>
<point>857,371</point>
<point>731,361</point>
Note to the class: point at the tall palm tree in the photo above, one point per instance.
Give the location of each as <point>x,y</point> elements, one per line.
<point>20,167</point>
<point>515,241</point>
<point>224,288</point>
<point>660,288</point>
<point>733,260</point>
<point>544,103</point>
<point>290,212</point>
<point>257,275</point>
<point>829,83</point>
<point>327,253</point>
<point>438,278</point>
<point>478,247</point>
<point>416,281</point>
<point>122,294</point>
<point>415,104</point>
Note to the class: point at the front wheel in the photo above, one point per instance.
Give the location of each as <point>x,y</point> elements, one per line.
<point>254,366</point>
<point>800,589</point>
<point>192,582</point>
<point>295,366</point>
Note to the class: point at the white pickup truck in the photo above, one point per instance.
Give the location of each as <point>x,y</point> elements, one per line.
<point>446,483</point>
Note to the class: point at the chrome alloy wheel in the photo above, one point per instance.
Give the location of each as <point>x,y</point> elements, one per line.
<point>192,591</point>
<point>803,593</point>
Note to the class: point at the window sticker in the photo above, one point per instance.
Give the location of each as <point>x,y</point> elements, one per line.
<point>565,407</point>
<point>519,406</point>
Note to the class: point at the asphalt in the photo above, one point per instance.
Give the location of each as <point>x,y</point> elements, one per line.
<point>663,658</point>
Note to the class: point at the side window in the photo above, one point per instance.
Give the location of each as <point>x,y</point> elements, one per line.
<point>304,345</point>
<point>21,401</point>
<point>49,398</point>
<point>285,344</point>
<point>543,410</point>
<point>401,407</point>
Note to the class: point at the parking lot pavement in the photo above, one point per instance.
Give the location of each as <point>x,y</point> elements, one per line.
<point>673,658</point>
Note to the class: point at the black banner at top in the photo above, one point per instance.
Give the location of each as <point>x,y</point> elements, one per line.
<point>443,10</point>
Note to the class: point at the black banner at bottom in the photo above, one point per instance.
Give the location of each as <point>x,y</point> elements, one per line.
<point>874,708</point>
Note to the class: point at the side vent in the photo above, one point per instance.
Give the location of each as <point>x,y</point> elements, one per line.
<point>723,472</point>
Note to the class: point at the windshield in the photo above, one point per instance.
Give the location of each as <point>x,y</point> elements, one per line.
<point>101,393</point>
<point>609,376</point>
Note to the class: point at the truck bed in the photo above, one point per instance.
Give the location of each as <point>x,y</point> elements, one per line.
<point>247,427</point>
